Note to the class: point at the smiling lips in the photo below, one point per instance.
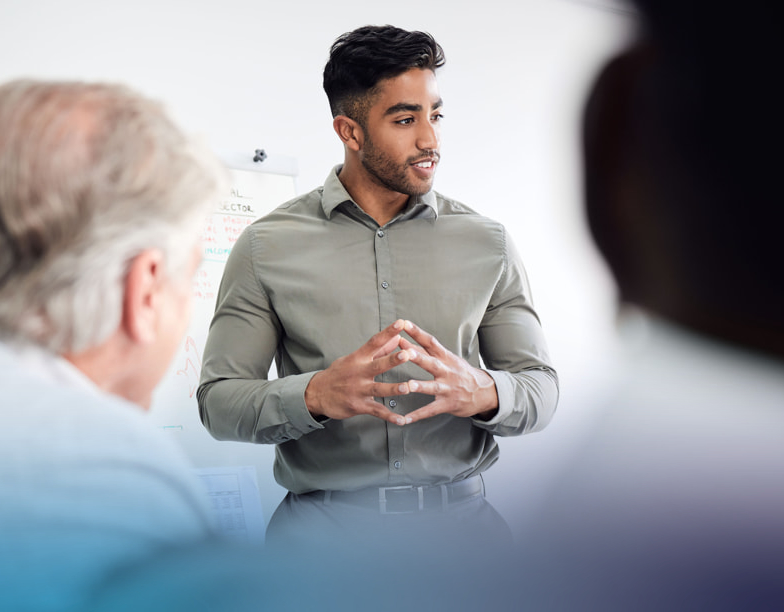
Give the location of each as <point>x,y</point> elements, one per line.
<point>426,164</point>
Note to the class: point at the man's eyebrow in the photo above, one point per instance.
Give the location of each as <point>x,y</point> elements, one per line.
<point>403,107</point>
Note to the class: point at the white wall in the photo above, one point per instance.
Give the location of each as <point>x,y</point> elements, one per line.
<point>247,74</point>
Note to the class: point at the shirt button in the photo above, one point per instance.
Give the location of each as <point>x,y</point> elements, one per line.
<point>392,403</point>
<point>397,465</point>
<point>385,285</point>
<point>380,233</point>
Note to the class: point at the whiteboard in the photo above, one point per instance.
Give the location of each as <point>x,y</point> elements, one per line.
<point>255,189</point>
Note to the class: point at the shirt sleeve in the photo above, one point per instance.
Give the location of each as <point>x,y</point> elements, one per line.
<point>514,352</point>
<point>236,399</point>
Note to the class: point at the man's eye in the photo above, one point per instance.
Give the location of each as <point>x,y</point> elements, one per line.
<point>437,117</point>
<point>406,121</point>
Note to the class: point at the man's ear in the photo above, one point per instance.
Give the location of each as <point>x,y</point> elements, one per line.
<point>142,300</point>
<point>349,132</point>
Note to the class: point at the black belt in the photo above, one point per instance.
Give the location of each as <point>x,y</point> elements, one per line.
<point>407,499</point>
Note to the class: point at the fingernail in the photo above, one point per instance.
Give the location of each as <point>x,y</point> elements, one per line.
<point>412,354</point>
<point>408,420</point>
<point>403,388</point>
<point>400,324</point>
<point>407,324</point>
<point>401,421</point>
<point>412,386</point>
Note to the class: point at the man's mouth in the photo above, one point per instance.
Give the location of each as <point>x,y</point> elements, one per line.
<point>426,163</point>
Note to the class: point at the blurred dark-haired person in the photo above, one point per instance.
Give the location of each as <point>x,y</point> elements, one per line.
<point>400,320</point>
<point>675,500</point>
<point>102,200</point>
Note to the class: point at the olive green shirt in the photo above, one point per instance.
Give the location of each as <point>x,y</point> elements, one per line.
<point>314,280</point>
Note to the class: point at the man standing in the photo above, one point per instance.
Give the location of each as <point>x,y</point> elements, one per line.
<point>333,283</point>
<point>102,200</point>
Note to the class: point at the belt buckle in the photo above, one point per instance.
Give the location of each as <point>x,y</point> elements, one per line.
<point>382,499</point>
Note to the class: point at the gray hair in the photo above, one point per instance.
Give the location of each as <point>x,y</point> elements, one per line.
<point>91,175</point>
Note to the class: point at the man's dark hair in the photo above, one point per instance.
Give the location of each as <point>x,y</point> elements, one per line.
<point>359,59</point>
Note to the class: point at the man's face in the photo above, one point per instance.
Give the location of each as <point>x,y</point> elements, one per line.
<point>403,133</point>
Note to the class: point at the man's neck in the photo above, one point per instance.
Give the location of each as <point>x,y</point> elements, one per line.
<point>376,200</point>
<point>112,366</point>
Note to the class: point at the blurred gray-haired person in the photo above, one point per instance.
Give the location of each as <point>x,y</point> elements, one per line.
<point>102,199</point>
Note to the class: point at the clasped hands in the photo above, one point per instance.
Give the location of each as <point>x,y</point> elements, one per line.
<point>348,387</point>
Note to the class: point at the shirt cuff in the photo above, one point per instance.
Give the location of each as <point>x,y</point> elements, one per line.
<point>292,400</point>
<point>505,391</point>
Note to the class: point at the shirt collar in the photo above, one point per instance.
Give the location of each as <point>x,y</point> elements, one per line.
<point>45,365</point>
<point>334,194</point>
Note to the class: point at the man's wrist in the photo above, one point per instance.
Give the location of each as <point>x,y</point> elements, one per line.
<point>311,397</point>
<point>487,415</point>
<point>490,395</point>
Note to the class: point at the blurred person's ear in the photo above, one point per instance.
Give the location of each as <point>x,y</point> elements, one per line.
<point>144,288</point>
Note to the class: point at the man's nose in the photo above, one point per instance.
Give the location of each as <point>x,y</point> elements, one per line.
<point>428,137</point>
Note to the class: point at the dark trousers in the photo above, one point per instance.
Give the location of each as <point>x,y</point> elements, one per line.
<point>319,521</point>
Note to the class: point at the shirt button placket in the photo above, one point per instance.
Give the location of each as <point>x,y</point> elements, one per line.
<point>386,298</point>
<point>387,314</point>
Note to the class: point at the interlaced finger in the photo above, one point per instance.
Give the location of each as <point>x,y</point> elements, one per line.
<point>426,340</point>
<point>427,362</point>
<point>386,363</point>
<point>381,342</point>
<point>425,412</point>
<point>380,411</point>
